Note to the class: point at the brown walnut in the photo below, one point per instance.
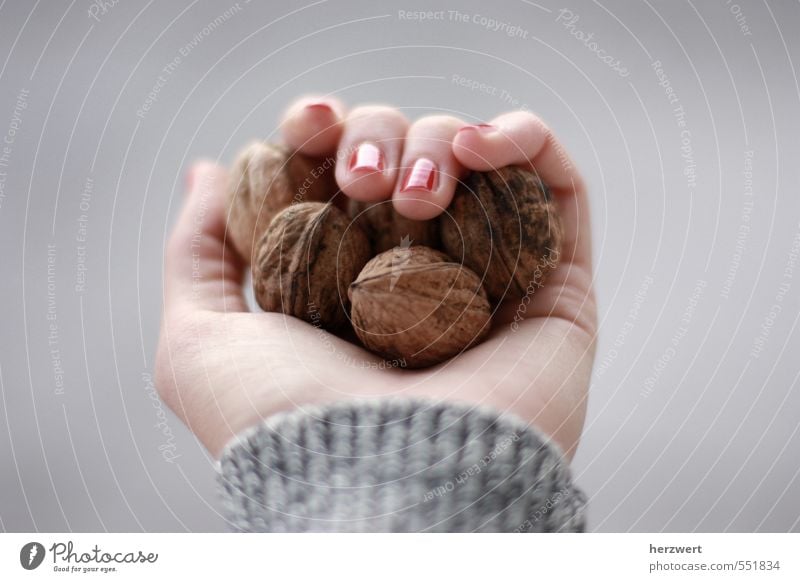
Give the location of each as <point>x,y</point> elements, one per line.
<point>265,179</point>
<point>386,228</point>
<point>305,262</point>
<point>511,228</point>
<point>417,306</point>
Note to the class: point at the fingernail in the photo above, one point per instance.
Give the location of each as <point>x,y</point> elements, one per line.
<point>366,157</point>
<point>319,106</point>
<point>422,176</point>
<point>480,128</point>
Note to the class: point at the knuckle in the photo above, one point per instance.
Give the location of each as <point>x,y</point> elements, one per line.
<point>299,104</point>
<point>531,119</point>
<point>448,123</point>
<point>383,114</point>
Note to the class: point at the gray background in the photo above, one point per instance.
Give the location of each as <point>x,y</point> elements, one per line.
<point>693,420</point>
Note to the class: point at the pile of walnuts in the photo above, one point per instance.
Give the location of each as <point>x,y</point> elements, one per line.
<point>418,292</point>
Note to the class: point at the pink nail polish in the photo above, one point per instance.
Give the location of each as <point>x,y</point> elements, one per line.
<point>320,106</point>
<point>366,157</point>
<point>189,179</point>
<point>480,128</point>
<point>422,176</point>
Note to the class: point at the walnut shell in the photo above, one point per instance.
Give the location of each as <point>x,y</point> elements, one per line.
<point>265,179</point>
<point>386,228</point>
<point>511,227</point>
<point>305,262</point>
<point>417,306</point>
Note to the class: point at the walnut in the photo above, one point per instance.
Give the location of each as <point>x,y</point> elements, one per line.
<point>511,227</point>
<point>305,262</point>
<point>417,306</point>
<point>386,229</point>
<point>265,179</point>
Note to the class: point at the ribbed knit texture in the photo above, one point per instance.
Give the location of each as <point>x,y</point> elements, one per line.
<point>397,465</point>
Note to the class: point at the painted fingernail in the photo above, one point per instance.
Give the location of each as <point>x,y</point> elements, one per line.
<point>319,106</point>
<point>480,128</point>
<point>189,179</point>
<point>366,157</point>
<point>422,176</point>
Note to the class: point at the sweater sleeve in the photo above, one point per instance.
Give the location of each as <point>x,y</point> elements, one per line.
<point>397,465</point>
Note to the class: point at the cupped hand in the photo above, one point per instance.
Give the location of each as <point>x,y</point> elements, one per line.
<point>222,368</point>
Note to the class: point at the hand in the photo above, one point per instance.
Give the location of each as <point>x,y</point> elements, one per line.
<point>223,369</point>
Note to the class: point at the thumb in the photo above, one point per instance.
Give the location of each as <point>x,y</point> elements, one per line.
<point>202,270</point>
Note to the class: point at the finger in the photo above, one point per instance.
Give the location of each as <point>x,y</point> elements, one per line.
<point>313,125</point>
<point>519,137</point>
<point>369,152</point>
<point>522,138</point>
<point>201,269</point>
<point>429,169</point>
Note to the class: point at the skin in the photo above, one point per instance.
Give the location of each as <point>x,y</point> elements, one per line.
<point>223,369</point>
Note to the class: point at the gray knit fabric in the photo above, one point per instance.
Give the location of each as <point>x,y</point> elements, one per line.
<point>398,465</point>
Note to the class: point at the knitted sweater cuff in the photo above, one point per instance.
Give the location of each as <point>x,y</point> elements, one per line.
<point>397,465</point>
